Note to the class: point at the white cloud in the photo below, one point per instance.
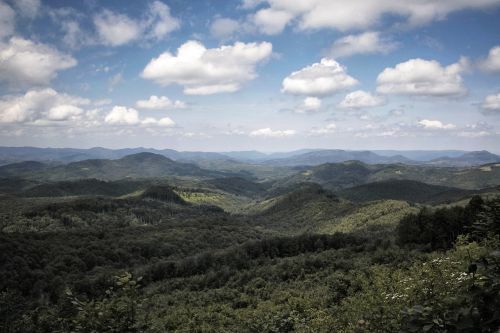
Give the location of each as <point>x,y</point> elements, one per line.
<point>7,20</point>
<point>319,79</point>
<point>435,124</point>
<point>74,35</point>
<point>492,62</point>
<point>166,122</point>
<point>308,105</point>
<point>423,77</point>
<point>223,28</point>
<point>271,21</point>
<point>329,128</point>
<point>363,14</point>
<point>117,29</point>
<point>311,103</point>
<point>159,21</point>
<point>24,63</point>
<point>43,104</point>
<point>491,103</point>
<point>361,99</point>
<point>365,43</point>
<point>121,115</point>
<point>159,103</point>
<point>269,133</point>
<point>203,71</point>
<point>28,8</point>
<point>64,112</point>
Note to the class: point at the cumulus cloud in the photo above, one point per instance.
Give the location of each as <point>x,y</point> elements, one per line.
<point>115,29</point>
<point>203,71</point>
<point>435,125</point>
<point>329,128</point>
<point>365,43</point>
<point>159,21</point>
<point>271,21</point>
<point>360,14</point>
<point>74,35</point>
<point>311,104</point>
<point>64,112</point>
<point>121,115</point>
<point>319,79</point>
<point>24,63</point>
<point>492,62</point>
<point>7,20</point>
<point>166,122</point>
<point>223,28</point>
<point>361,99</point>
<point>159,103</point>
<point>491,103</point>
<point>269,133</point>
<point>424,78</point>
<point>42,104</point>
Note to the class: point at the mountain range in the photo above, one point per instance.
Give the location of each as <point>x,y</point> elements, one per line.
<point>311,157</point>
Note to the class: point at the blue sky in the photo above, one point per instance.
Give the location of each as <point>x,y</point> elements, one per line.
<point>253,74</point>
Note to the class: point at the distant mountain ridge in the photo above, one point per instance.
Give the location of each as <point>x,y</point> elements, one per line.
<point>309,157</point>
<point>468,159</point>
<point>140,165</point>
<point>337,156</point>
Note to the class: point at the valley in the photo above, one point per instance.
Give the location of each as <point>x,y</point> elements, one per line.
<point>234,245</point>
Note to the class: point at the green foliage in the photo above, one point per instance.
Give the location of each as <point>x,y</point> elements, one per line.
<point>279,265</point>
<point>368,218</point>
<point>163,193</point>
<point>440,228</point>
<point>116,311</point>
<point>407,190</point>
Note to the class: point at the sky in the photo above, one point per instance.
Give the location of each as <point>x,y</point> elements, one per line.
<point>268,75</point>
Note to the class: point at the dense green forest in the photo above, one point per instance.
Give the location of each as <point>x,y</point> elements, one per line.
<point>179,248</point>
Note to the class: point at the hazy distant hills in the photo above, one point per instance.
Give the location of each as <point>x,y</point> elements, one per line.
<point>67,155</point>
<point>308,157</point>
<point>140,165</point>
<point>337,176</point>
<point>467,159</point>
<point>336,156</point>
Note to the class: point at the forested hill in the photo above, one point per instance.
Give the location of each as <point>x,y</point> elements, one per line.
<point>141,165</point>
<point>144,243</point>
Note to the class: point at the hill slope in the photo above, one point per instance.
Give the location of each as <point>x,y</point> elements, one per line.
<point>468,159</point>
<point>337,156</point>
<point>406,190</point>
<point>352,173</point>
<point>141,165</point>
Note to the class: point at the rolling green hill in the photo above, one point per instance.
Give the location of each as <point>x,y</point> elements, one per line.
<point>406,190</point>
<point>83,187</point>
<point>352,173</point>
<point>238,186</point>
<point>141,165</point>
<point>300,209</point>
